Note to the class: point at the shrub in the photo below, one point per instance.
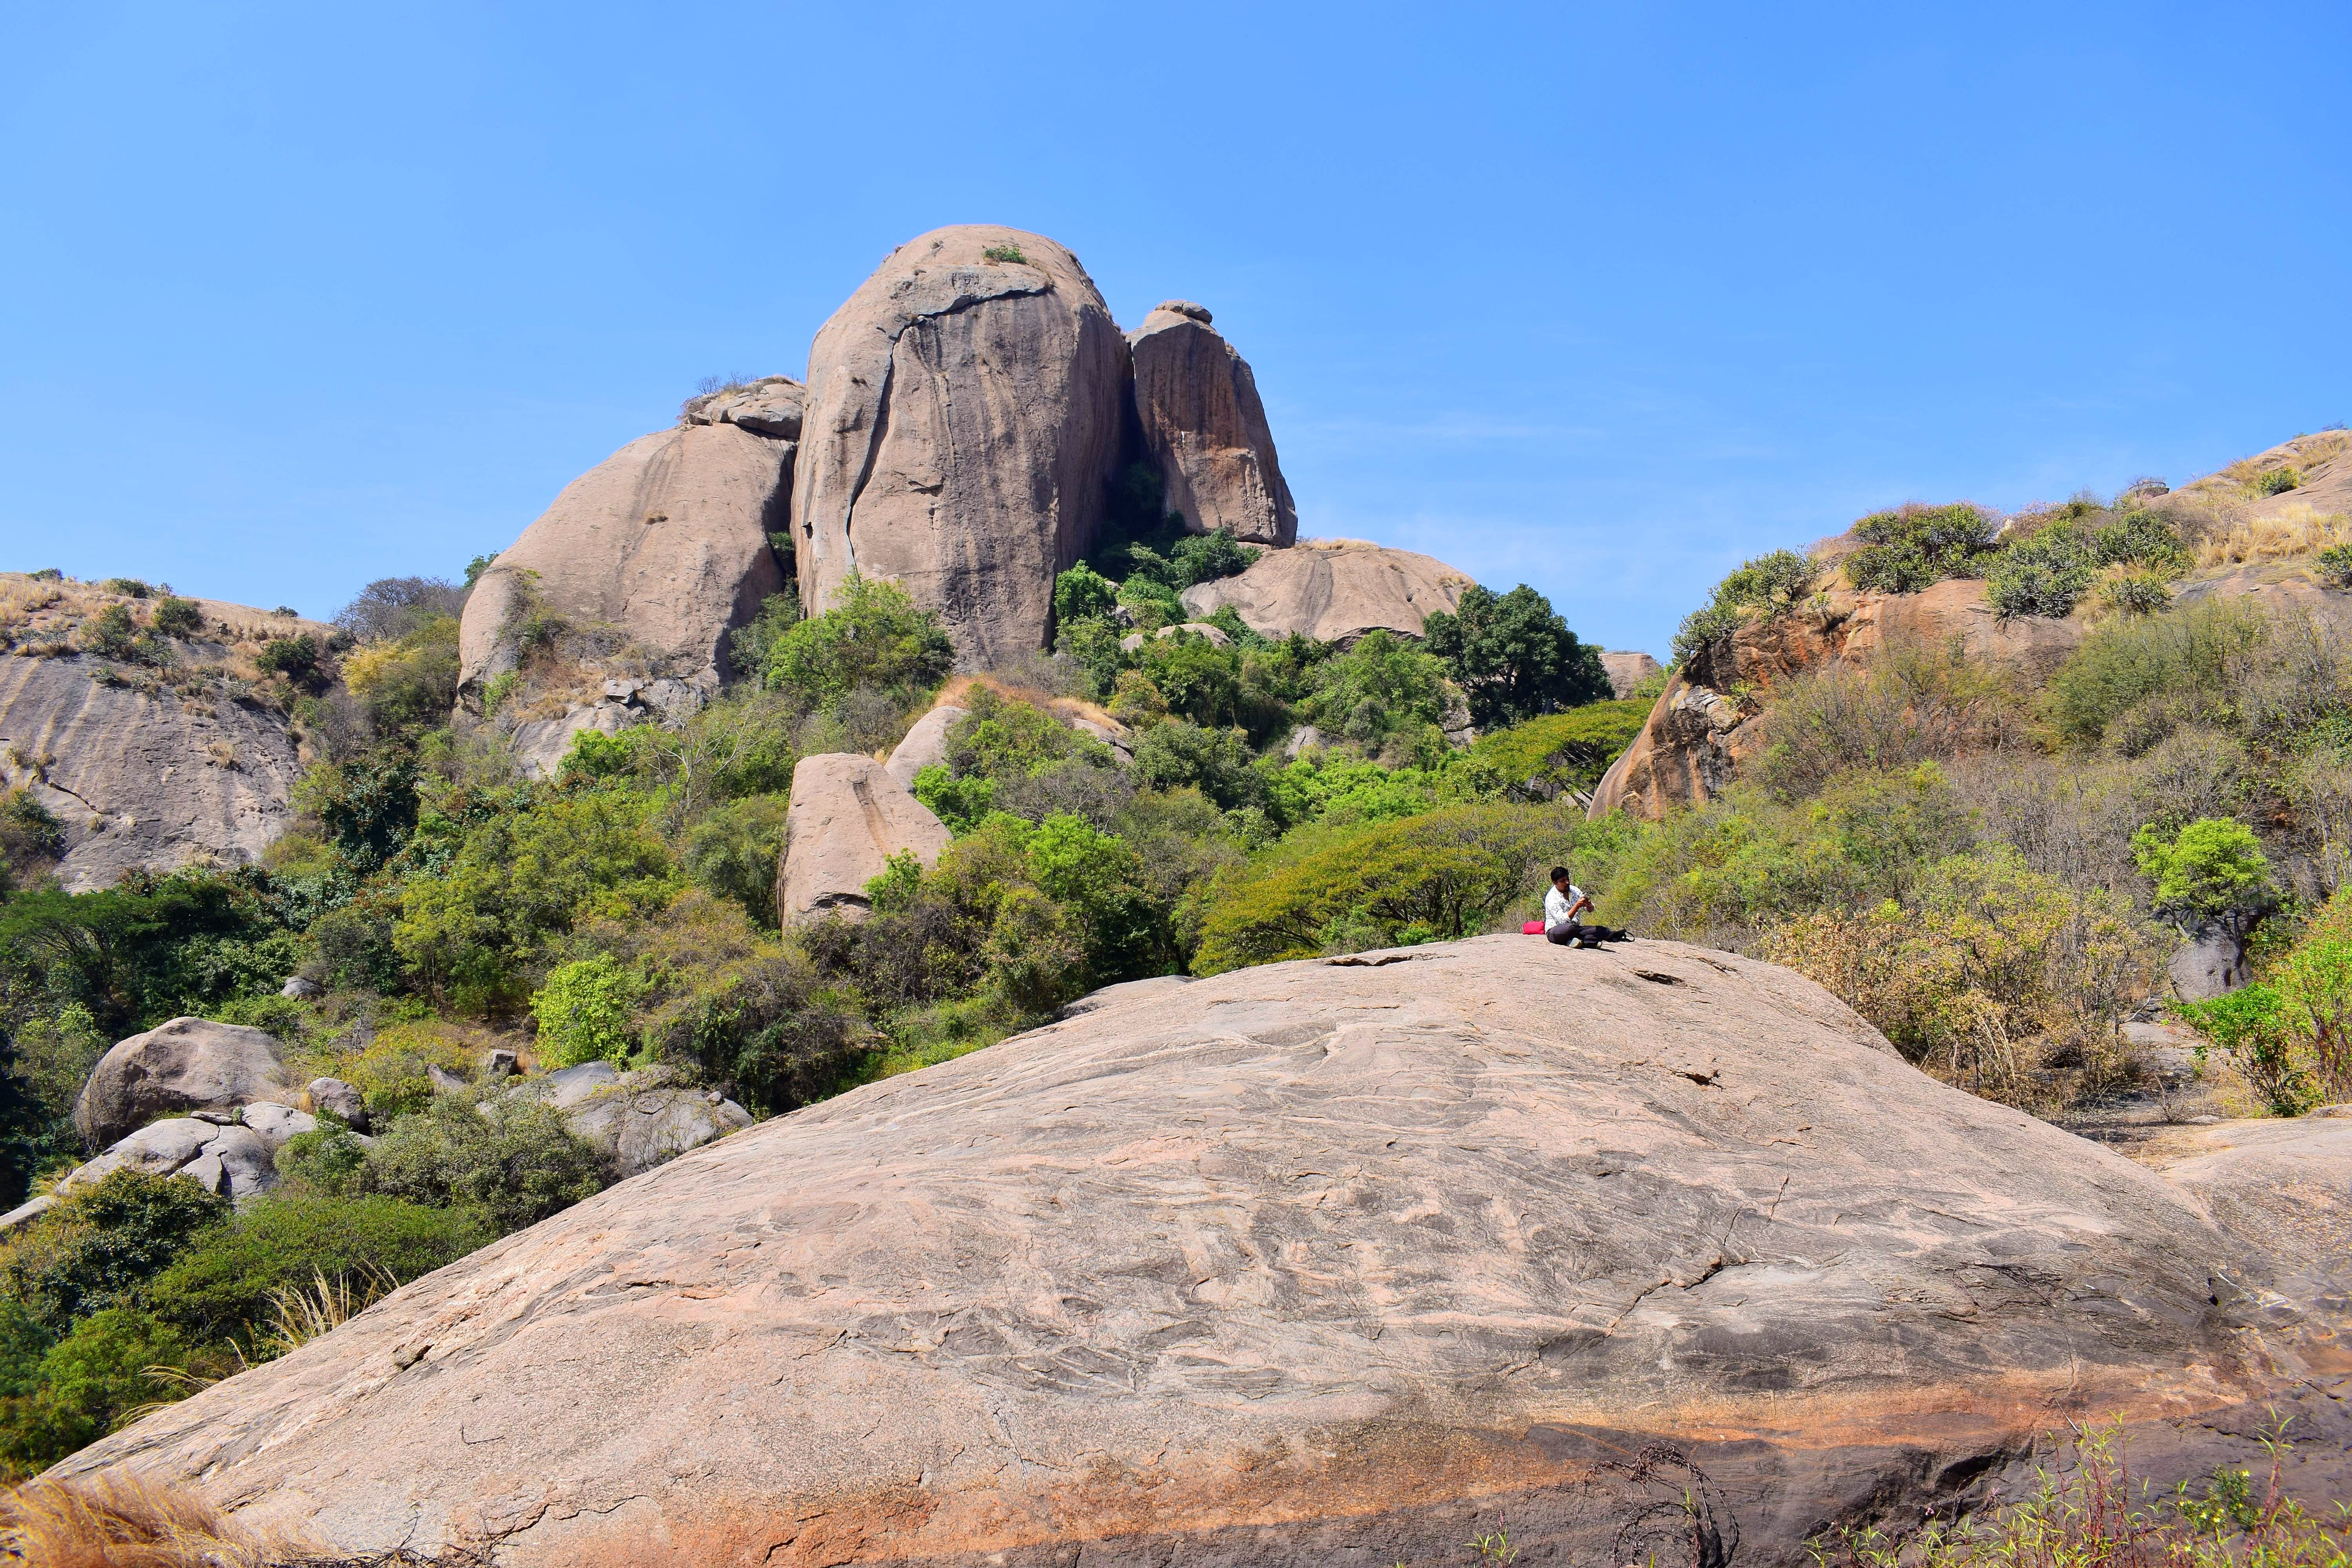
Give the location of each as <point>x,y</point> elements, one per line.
<point>2276,481</point>
<point>873,636</point>
<point>392,608</point>
<point>131,588</point>
<point>394,1074</point>
<point>1766,585</point>
<point>52,1056</point>
<point>1007,253</point>
<point>221,1286</point>
<point>583,1011</point>
<point>28,830</point>
<point>89,1380</point>
<point>2044,576</point>
<point>1003,738</point>
<point>751,647</point>
<point>47,574</point>
<point>962,804</point>
<point>1919,702</point>
<point>111,634</point>
<point>411,684</point>
<point>2136,594</point>
<point>2124,662</point>
<point>295,657</point>
<point>1916,547</point>
<point>1450,873</point>
<point>1381,688</point>
<point>1179,755</point>
<point>2208,867</point>
<point>734,851</point>
<point>2140,539</point>
<point>1513,657</point>
<point>178,617</point>
<point>510,1158</point>
<point>104,1242</point>
<point>2335,565</point>
<point>1081,594</point>
<point>2314,993</point>
<point>2251,1026</point>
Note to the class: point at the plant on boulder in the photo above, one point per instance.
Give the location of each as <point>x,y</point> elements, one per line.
<point>1916,547</point>
<point>1767,585</point>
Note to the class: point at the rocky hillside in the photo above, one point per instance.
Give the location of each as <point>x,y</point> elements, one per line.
<point>144,730</point>
<point>1362,1255</point>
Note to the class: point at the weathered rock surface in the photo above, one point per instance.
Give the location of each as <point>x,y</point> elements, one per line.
<point>2323,460</point>
<point>1213,634</point>
<point>926,744</point>
<point>636,1120</point>
<point>2213,961</point>
<point>1205,429</point>
<point>187,1064</point>
<point>138,779</point>
<point>1321,1261</point>
<point>963,421</point>
<point>333,1097</point>
<point>234,1155</point>
<point>658,553</point>
<point>1334,590</point>
<point>846,818</point>
<point>770,406</point>
<point>1626,672</point>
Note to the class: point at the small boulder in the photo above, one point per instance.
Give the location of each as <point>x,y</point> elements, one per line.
<point>2214,962</point>
<point>238,1162</point>
<point>500,1063</point>
<point>770,406</point>
<point>332,1096</point>
<point>1205,428</point>
<point>445,1082</point>
<point>302,989</point>
<point>1333,590</point>
<point>276,1123</point>
<point>847,817</point>
<point>926,744</point>
<point>187,1064</point>
<point>636,1120</point>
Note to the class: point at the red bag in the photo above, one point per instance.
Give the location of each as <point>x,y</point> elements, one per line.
<point>1533,928</point>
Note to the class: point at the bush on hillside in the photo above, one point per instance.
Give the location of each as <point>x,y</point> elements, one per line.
<point>2276,481</point>
<point>1916,547</point>
<point>2208,867</point>
<point>872,638</point>
<point>510,1160</point>
<point>109,1364</point>
<point>2045,575</point>
<point>102,1244</point>
<point>408,686</point>
<point>177,618</point>
<point>583,1011</point>
<point>1383,689</point>
<point>1766,586</point>
<point>1513,658</point>
<point>1535,761</point>
<point>2181,657</point>
<point>1919,703</point>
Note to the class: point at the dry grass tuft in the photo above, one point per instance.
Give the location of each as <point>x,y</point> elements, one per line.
<point>2299,532</point>
<point>117,1520</point>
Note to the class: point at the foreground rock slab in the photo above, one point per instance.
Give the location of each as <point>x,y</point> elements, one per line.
<point>1328,1261</point>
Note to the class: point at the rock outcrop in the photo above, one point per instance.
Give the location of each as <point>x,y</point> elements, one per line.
<point>846,818</point>
<point>1334,1260</point>
<point>1205,429</point>
<point>187,1064</point>
<point>636,1120</point>
<point>925,744</point>
<point>641,567</point>
<point>231,1152</point>
<point>144,768</point>
<point>963,423</point>
<point>1333,590</point>
<point>1627,671</point>
<point>1698,735</point>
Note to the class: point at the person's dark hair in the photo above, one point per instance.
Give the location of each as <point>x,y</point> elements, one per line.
<point>1559,873</point>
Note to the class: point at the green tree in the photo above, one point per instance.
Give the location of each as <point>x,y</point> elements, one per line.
<point>1081,594</point>
<point>2213,866</point>
<point>583,1011</point>
<point>1513,657</point>
<point>1383,687</point>
<point>88,1381</point>
<point>104,1242</point>
<point>874,636</point>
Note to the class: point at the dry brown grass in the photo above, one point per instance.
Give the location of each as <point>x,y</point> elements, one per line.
<point>2297,534</point>
<point>115,1519</point>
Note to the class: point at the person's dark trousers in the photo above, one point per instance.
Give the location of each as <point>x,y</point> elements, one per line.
<point>1574,934</point>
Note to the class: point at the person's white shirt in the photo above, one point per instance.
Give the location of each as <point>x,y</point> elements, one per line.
<point>1557,904</point>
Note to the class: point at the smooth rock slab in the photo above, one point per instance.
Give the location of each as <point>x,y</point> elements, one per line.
<point>1333,590</point>
<point>1304,1264</point>
<point>1205,428</point>
<point>926,744</point>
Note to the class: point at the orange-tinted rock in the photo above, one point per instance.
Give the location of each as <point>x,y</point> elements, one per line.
<point>1205,426</point>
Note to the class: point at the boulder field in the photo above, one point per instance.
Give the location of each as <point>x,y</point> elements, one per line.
<point>1654,1252</point>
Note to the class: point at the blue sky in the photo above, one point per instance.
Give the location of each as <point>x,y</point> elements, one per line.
<point>1598,298</point>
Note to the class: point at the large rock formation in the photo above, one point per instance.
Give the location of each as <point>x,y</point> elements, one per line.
<point>846,818</point>
<point>187,1064</point>
<point>1202,424</point>
<point>963,421</point>
<point>1334,590</point>
<point>144,768</point>
<point>925,745</point>
<point>642,566</point>
<point>1627,671</point>
<point>1334,1260</point>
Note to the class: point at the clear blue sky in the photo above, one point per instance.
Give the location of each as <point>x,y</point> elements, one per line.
<point>1601,299</point>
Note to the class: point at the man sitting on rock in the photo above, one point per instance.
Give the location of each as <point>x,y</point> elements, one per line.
<point>1562,905</point>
